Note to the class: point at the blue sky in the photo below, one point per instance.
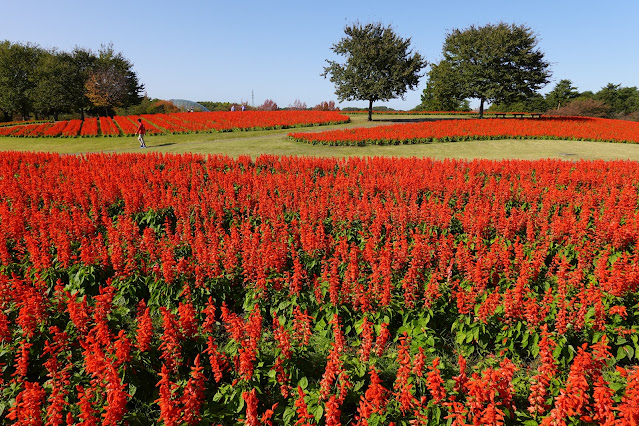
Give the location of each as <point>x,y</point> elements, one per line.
<point>226,50</point>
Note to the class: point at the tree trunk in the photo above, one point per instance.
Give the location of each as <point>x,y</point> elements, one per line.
<point>370,110</point>
<point>481,108</point>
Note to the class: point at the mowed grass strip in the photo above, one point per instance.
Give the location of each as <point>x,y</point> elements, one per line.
<point>276,142</point>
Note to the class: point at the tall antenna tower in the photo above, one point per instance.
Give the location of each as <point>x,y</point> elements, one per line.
<point>252,98</point>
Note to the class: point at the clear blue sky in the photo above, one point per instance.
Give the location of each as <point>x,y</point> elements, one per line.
<point>223,50</point>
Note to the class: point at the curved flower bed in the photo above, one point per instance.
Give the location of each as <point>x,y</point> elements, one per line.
<point>219,121</point>
<point>573,128</point>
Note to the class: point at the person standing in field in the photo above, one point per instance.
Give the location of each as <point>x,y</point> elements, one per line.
<point>140,132</point>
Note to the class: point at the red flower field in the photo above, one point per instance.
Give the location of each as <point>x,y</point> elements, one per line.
<point>574,128</point>
<point>176,123</point>
<point>293,291</point>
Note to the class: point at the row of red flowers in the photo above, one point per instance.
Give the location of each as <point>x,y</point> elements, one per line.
<point>176,123</point>
<point>575,128</point>
<point>192,289</point>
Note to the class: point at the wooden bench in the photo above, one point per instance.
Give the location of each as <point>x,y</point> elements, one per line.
<point>516,114</point>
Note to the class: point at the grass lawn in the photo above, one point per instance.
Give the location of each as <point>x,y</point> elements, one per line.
<point>255,143</point>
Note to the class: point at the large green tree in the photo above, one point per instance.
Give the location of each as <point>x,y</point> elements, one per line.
<point>18,64</point>
<point>379,65</point>
<point>561,94</point>
<point>59,85</point>
<point>495,63</point>
<point>441,92</point>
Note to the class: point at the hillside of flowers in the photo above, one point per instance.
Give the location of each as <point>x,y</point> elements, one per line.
<point>218,121</point>
<point>186,289</point>
<point>571,128</point>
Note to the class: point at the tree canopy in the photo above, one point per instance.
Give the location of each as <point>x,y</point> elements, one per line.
<point>561,94</point>
<point>379,65</point>
<point>442,92</point>
<point>18,64</point>
<point>494,63</point>
<point>47,82</point>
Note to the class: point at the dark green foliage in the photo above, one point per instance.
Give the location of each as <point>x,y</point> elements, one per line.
<point>442,90</point>
<point>216,106</point>
<point>18,64</point>
<point>535,103</point>
<point>621,100</point>
<point>562,94</point>
<point>494,63</point>
<point>379,65</point>
<point>59,85</point>
<point>47,83</point>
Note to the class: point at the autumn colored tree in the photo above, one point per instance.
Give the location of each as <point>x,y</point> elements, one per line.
<point>326,106</point>
<point>298,105</point>
<point>268,105</point>
<point>165,107</point>
<point>106,88</point>
<point>583,108</point>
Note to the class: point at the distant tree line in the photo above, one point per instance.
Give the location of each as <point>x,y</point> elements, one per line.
<point>612,101</point>
<point>45,83</point>
<point>268,105</point>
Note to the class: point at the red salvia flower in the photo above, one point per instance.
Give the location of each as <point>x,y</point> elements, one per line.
<point>193,396</point>
<point>170,346</point>
<point>333,412</point>
<point>303,416</point>
<point>251,401</point>
<point>435,383</point>
<point>27,409</point>
<point>301,326</point>
<point>169,407</point>
<point>217,359</point>
<point>144,329</point>
<point>209,317</point>
<point>382,339</point>
<point>367,341</point>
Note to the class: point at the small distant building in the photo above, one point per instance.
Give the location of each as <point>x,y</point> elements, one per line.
<point>186,105</point>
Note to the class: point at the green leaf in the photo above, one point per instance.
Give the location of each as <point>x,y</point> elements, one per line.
<point>621,354</point>
<point>437,414</point>
<point>629,350</point>
<point>621,340</point>
<point>534,351</point>
<point>303,383</point>
<point>318,413</point>
<point>240,406</point>
<point>288,415</point>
